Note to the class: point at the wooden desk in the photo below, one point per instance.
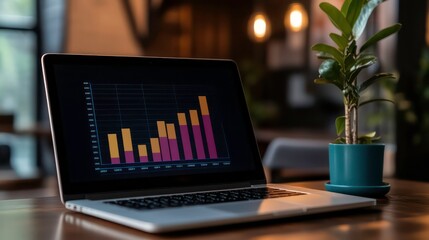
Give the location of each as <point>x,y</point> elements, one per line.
<point>404,214</point>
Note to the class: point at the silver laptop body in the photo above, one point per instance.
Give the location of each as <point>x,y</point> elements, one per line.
<point>128,130</point>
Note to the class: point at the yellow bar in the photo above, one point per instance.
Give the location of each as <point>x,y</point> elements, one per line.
<point>142,150</point>
<point>171,131</point>
<point>126,139</point>
<point>161,129</point>
<point>194,117</point>
<point>182,119</point>
<point>154,143</point>
<point>203,105</point>
<point>113,145</point>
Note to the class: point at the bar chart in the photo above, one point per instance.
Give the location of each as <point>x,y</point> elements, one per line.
<point>143,126</point>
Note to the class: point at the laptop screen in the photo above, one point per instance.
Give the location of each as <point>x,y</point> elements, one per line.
<point>141,123</point>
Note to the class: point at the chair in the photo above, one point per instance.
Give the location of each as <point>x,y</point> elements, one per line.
<point>290,159</point>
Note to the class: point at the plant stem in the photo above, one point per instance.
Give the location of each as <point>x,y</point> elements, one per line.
<point>355,124</point>
<point>347,129</point>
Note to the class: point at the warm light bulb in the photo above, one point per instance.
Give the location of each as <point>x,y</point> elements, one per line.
<point>296,20</point>
<point>259,27</point>
<point>296,17</point>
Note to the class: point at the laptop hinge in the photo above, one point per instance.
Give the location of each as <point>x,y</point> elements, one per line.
<point>109,195</point>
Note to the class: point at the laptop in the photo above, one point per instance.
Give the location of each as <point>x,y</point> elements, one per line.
<point>164,144</point>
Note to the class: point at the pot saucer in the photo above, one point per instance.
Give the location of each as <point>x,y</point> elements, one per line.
<point>364,191</point>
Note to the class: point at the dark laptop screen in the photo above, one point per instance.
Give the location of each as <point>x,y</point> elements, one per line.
<point>148,122</point>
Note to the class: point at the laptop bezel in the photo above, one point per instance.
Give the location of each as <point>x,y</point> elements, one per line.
<point>70,190</point>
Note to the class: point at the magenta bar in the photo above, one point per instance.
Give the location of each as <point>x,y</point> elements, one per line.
<point>184,133</point>
<point>115,160</point>
<point>156,157</point>
<point>144,159</point>
<point>209,136</point>
<point>174,149</point>
<point>129,157</point>
<point>165,149</point>
<point>198,141</point>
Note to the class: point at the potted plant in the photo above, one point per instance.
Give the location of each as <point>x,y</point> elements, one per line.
<point>355,161</point>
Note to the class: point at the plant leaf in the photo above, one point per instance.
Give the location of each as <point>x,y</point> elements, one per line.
<point>363,17</point>
<point>326,81</point>
<point>329,50</point>
<point>337,18</point>
<point>322,81</point>
<point>330,70</point>
<point>353,75</point>
<point>363,62</point>
<point>339,40</point>
<point>356,68</point>
<point>353,11</point>
<point>340,124</point>
<point>369,135</point>
<point>365,140</point>
<point>345,7</point>
<point>374,79</point>
<point>324,56</point>
<point>368,138</point>
<point>340,140</point>
<point>384,33</point>
<point>376,100</point>
<point>349,62</point>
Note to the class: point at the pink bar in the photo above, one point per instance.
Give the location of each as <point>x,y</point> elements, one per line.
<point>184,133</point>
<point>129,157</point>
<point>156,157</point>
<point>165,150</point>
<point>209,136</point>
<point>115,160</point>
<point>198,141</point>
<point>143,159</point>
<point>174,149</point>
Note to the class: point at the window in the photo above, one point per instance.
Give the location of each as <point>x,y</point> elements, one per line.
<point>18,78</point>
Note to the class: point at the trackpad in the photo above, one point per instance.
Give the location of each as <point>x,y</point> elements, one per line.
<point>258,207</point>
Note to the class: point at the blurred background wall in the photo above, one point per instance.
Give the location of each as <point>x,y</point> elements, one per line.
<point>272,51</point>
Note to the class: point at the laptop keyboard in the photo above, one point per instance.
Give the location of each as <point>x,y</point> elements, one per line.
<point>190,199</point>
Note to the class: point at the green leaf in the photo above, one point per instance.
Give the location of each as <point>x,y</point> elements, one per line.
<point>324,56</point>
<point>368,138</point>
<point>353,11</point>
<point>330,70</point>
<point>340,140</point>
<point>369,135</point>
<point>322,81</point>
<point>339,40</point>
<point>353,74</point>
<point>351,49</point>
<point>376,100</point>
<point>337,18</point>
<point>329,50</point>
<point>345,7</point>
<point>363,17</point>
<point>363,62</point>
<point>349,62</point>
<point>340,124</point>
<point>364,140</point>
<point>381,35</point>
<point>374,79</point>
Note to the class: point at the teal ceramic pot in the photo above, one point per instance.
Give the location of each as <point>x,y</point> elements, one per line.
<point>356,164</point>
